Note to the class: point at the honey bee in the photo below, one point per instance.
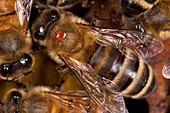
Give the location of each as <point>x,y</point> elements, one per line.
<point>114,56</point>
<point>156,21</point>
<point>41,99</point>
<point>153,15</point>
<point>15,41</point>
<point>131,8</point>
<point>65,4</point>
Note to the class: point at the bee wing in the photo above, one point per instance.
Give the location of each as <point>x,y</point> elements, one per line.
<point>75,101</point>
<point>106,98</point>
<point>71,101</point>
<point>166,69</point>
<point>142,44</point>
<point>23,10</point>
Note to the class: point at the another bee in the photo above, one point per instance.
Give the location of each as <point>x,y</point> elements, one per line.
<point>42,99</point>
<point>133,8</point>
<point>71,41</point>
<point>156,21</point>
<point>154,18</point>
<point>15,41</point>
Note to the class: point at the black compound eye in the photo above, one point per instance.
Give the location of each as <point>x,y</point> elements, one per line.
<point>50,16</point>
<point>40,33</point>
<point>12,102</point>
<point>16,97</point>
<point>26,60</point>
<point>53,15</point>
<point>5,69</point>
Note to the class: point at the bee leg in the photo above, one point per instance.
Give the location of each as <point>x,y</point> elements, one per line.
<point>64,73</point>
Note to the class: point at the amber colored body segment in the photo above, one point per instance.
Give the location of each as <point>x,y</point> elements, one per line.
<point>134,76</point>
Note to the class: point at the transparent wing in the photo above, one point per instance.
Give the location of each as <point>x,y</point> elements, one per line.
<point>76,102</point>
<point>107,99</point>
<point>23,10</point>
<point>142,44</point>
<point>166,69</point>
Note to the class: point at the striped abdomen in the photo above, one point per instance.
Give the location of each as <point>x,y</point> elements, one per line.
<point>134,77</point>
<point>133,8</point>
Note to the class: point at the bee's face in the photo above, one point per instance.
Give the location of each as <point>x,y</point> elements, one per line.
<point>36,103</point>
<point>14,42</point>
<point>60,32</point>
<point>41,99</point>
<point>13,70</point>
<point>11,101</point>
<point>15,39</point>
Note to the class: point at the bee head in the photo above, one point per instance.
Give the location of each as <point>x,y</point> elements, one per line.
<point>41,25</point>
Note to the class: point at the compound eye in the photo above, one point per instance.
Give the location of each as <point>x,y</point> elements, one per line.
<point>59,36</point>
<point>40,33</point>
<point>49,16</point>
<point>53,15</point>
<point>16,97</point>
<point>5,69</point>
<point>26,60</point>
<point>12,101</point>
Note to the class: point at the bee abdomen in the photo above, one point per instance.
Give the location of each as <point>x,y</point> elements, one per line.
<point>133,8</point>
<point>134,77</point>
<point>142,81</point>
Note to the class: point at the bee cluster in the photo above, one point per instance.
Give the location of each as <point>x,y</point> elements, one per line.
<point>53,61</point>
